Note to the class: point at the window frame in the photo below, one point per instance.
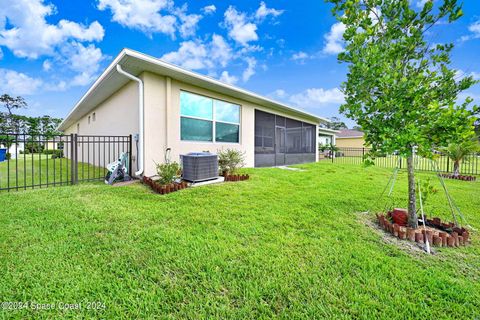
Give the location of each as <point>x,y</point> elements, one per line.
<point>214,121</point>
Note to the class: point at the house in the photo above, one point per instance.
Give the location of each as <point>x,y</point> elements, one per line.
<point>350,138</point>
<point>14,150</point>
<point>164,106</point>
<point>327,136</point>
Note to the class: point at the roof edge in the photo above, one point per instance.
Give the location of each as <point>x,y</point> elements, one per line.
<point>151,59</point>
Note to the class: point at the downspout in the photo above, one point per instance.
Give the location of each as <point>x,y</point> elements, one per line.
<point>168,95</point>
<point>140,118</point>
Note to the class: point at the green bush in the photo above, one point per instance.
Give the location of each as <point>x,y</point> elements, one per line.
<point>8,156</point>
<point>167,172</point>
<point>57,154</point>
<point>54,152</point>
<point>230,160</point>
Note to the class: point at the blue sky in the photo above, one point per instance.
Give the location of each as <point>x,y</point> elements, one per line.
<point>51,51</point>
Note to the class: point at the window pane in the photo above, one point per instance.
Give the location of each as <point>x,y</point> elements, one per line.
<point>228,112</point>
<point>196,106</point>
<point>226,132</point>
<point>196,130</point>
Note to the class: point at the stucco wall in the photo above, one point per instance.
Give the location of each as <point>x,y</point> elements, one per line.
<point>116,116</point>
<point>161,134</point>
<point>350,142</point>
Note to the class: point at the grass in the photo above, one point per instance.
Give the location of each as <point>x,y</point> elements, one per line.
<point>40,169</point>
<point>284,244</point>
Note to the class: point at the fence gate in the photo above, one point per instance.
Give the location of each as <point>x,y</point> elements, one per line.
<point>39,161</point>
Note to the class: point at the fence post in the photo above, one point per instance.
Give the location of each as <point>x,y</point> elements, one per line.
<point>448,164</point>
<point>72,159</point>
<point>130,155</point>
<point>76,158</point>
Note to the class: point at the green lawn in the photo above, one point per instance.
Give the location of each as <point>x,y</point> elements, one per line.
<point>41,169</point>
<point>284,244</point>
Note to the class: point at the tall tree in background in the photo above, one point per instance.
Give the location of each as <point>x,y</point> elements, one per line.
<point>335,124</point>
<point>400,89</point>
<point>11,103</point>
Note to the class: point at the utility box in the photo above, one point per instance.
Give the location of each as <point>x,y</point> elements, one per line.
<point>199,166</point>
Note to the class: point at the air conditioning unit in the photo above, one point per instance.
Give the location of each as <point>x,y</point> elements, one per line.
<point>200,166</point>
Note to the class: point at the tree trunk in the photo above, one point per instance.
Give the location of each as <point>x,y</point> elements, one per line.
<point>412,198</point>
<point>456,168</point>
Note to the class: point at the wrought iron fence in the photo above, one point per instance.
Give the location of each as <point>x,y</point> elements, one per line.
<point>38,161</point>
<point>469,166</point>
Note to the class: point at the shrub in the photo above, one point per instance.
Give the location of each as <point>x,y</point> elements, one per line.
<point>230,160</point>
<point>167,172</point>
<point>8,156</point>
<point>57,154</point>
<point>54,152</point>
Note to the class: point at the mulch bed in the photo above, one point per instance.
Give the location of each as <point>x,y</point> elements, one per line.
<point>459,177</point>
<point>438,233</point>
<point>236,177</point>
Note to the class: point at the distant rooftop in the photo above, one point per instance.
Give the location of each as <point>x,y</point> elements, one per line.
<point>349,133</point>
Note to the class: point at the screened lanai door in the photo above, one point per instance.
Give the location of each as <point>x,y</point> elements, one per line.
<point>283,141</point>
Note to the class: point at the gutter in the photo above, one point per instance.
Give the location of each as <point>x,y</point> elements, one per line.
<point>141,119</point>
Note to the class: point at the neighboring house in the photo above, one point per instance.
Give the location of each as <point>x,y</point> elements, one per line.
<point>15,149</point>
<point>350,138</point>
<point>189,112</point>
<point>327,136</point>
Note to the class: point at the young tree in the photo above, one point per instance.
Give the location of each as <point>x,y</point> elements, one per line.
<point>400,89</point>
<point>458,151</point>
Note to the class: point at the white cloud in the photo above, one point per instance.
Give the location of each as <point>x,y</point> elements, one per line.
<point>144,15</point>
<point>154,16</point>
<point>29,35</point>
<point>239,28</point>
<point>47,65</point>
<point>317,97</point>
<point>263,12</point>
<point>209,9</point>
<point>459,74</point>
<point>189,22</point>
<point>250,70</point>
<point>85,61</point>
<point>474,28</point>
<point>279,94</point>
<point>220,50</point>
<point>300,56</point>
<point>197,55</point>
<point>421,3</point>
<point>17,83</point>
<point>227,78</point>
<point>334,39</point>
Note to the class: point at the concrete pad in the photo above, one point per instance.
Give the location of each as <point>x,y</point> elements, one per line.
<point>204,183</point>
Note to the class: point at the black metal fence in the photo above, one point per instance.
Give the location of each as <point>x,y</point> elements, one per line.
<point>469,166</point>
<point>38,161</point>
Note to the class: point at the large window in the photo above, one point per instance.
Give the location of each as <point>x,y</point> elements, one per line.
<point>207,119</point>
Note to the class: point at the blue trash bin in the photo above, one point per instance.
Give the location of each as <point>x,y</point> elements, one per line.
<point>3,154</point>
